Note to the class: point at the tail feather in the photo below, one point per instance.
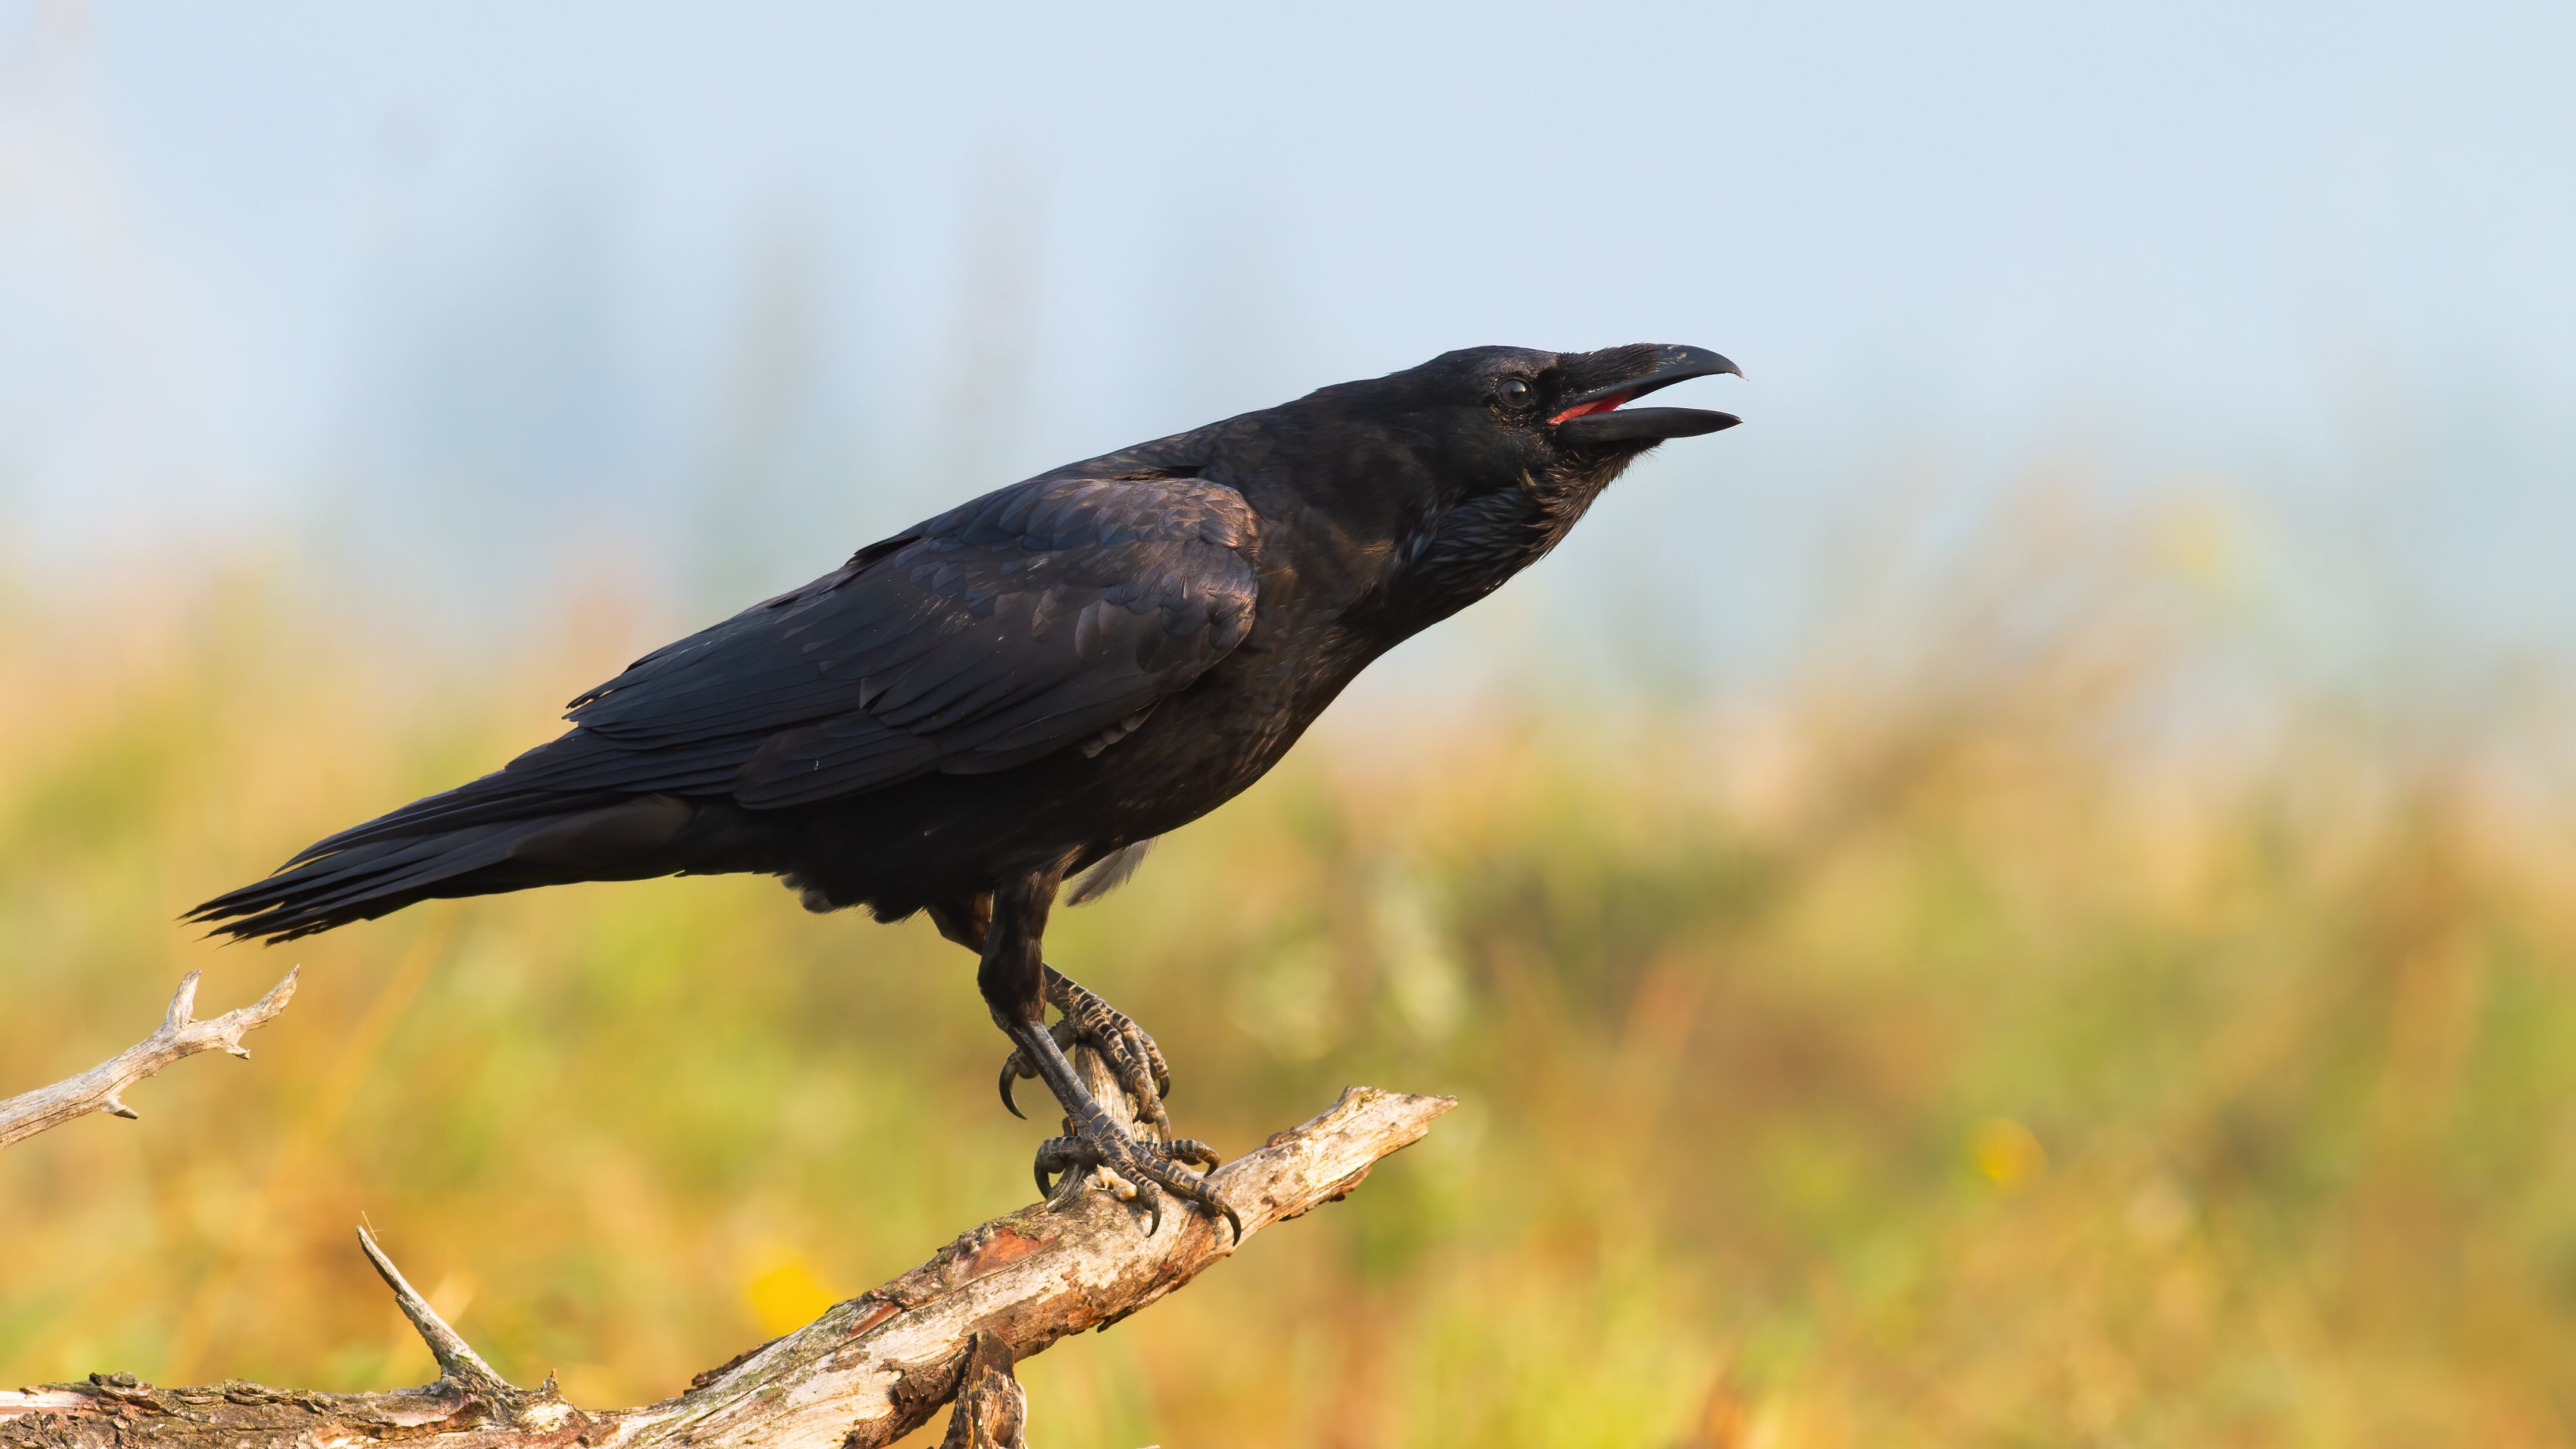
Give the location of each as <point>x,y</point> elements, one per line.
<point>366,881</point>
<point>378,868</point>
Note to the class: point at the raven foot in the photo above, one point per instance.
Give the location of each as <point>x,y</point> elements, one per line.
<point>1149,1167</point>
<point>1140,1156</point>
<point>1089,1021</point>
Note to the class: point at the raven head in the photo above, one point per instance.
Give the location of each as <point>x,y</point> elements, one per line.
<point>1510,446</point>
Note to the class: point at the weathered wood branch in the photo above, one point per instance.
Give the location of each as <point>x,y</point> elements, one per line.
<point>180,1035</point>
<point>991,1412</point>
<point>866,1373</point>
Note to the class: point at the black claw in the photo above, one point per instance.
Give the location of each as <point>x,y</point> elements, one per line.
<point>1010,1071</point>
<point>1144,1163</point>
<point>1056,1156</point>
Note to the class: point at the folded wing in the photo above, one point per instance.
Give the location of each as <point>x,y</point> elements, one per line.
<point>1047,615</point>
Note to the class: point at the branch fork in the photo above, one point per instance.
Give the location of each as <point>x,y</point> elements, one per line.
<point>180,1035</point>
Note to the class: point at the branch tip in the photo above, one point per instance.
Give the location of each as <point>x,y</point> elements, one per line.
<point>456,1358</point>
<point>183,1005</point>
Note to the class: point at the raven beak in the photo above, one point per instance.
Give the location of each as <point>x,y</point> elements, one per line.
<point>1590,417</point>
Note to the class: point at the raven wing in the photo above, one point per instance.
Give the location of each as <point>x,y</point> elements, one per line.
<point>1048,614</point>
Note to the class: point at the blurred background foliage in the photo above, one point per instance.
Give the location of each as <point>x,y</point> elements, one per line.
<point>1939,1047</point>
<point>2023,897</point>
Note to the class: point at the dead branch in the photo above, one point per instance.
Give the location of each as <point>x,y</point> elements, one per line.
<point>991,1411</point>
<point>866,1373</point>
<point>179,1036</point>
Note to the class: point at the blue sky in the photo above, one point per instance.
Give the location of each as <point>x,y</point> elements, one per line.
<point>451,296</point>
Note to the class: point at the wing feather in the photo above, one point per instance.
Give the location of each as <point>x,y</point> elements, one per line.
<point>1024,622</point>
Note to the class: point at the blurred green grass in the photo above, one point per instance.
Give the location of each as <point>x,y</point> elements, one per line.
<point>1912,1057</point>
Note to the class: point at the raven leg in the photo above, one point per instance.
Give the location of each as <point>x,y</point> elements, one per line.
<point>1086,1020</point>
<point>1013,981</point>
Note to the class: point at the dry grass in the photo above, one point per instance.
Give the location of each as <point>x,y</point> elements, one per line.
<point>1933,1054</point>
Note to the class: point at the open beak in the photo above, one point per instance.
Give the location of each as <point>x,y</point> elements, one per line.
<point>1592,416</point>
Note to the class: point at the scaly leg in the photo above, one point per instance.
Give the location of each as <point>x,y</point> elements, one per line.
<point>1089,1021</point>
<point>1013,980</point>
<point>1086,1020</point>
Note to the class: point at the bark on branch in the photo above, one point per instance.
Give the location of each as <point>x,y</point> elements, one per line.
<point>180,1035</point>
<point>866,1373</point>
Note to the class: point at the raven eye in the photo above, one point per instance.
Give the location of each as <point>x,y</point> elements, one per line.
<point>1514,392</point>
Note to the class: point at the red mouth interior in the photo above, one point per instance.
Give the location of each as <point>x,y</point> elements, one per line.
<point>1602,406</point>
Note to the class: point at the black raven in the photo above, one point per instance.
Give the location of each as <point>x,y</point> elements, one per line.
<point>1033,686</point>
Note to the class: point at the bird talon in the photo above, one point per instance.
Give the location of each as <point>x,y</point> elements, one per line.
<point>1143,1162</point>
<point>1008,1104</point>
<point>1133,1169</point>
<point>1062,1160</point>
